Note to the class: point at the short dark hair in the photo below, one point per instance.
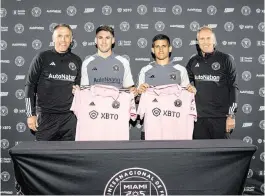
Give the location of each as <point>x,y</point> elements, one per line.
<point>160,37</point>
<point>105,28</point>
<point>63,25</point>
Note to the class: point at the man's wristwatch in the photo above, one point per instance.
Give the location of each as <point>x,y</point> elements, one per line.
<point>231,116</point>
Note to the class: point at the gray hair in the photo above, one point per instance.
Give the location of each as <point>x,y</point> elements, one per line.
<point>210,29</point>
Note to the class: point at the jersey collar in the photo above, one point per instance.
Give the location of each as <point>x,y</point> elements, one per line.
<point>105,91</point>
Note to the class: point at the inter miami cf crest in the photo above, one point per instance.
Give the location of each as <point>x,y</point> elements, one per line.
<point>116,104</point>
<point>116,68</point>
<point>173,76</point>
<point>178,103</point>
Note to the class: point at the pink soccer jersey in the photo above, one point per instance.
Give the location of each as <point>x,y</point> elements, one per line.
<point>103,113</point>
<point>169,113</point>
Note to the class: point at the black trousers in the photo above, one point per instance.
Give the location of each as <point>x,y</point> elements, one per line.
<point>210,128</point>
<point>56,127</point>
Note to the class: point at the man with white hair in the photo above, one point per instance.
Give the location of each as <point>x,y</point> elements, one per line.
<point>215,77</point>
<point>48,88</point>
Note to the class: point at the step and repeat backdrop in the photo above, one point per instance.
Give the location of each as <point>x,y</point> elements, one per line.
<point>26,29</point>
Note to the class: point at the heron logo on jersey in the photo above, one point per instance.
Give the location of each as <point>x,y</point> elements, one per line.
<point>135,181</point>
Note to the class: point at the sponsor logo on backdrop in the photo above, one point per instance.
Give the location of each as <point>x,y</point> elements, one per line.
<point>262,92</point>
<point>260,43</point>
<point>177,26</point>
<point>89,10</point>
<point>20,77</point>
<point>159,26</point>
<point>4,61</point>
<point>71,11</point>
<point>141,26</point>
<point>19,44</point>
<point>19,12</point>
<point>247,108</point>
<point>229,26</point>
<point>89,27</point>
<point>106,10</point>
<point>73,26</point>
<point>261,141</point>
<point>4,29</point>
<point>229,43</point>
<point>262,156</point>
<point>245,26</point>
<point>159,9</point>
<point>193,42</point>
<point>142,9</point>
<point>19,111</point>
<point>20,94</point>
<point>3,94</point>
<point>21,127</point>
<point>177,58</point>
<point>124,43</point>
<point>246,43</point>
<point>247,124</point>
<point>5,160</point>
<point>194,10</point>
<point>261,108</point>
<point>177,9</point>
<point>260,11</point>
<point>177,42</point>
<point>246,59</point>
<point>142,59</point>
<point>36,44</point>
<point>51,27</point>
<point>142,43</point>
<point>19,61</point>
<point>194,26</point>
<point>246,75</point>
<point>36,28</point>
<point>135,181</point>
<point>229,10</point>
<point>248,140</point>
<point>5,176</point>
<point>261,59</point>
<point>4,78</point>
<point>3,45</point>
<point>3,12</point>
<point>245,10</point>
<point>4,143</point>
<point>247,92</point>
<point>211,10</point>
<point>213,26</point>
<point>262,124</point>
<point>125,10</point>
<point>54,11</point>
<point>124,26</point>
<point>85,43</point>
<point>36,12</point>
